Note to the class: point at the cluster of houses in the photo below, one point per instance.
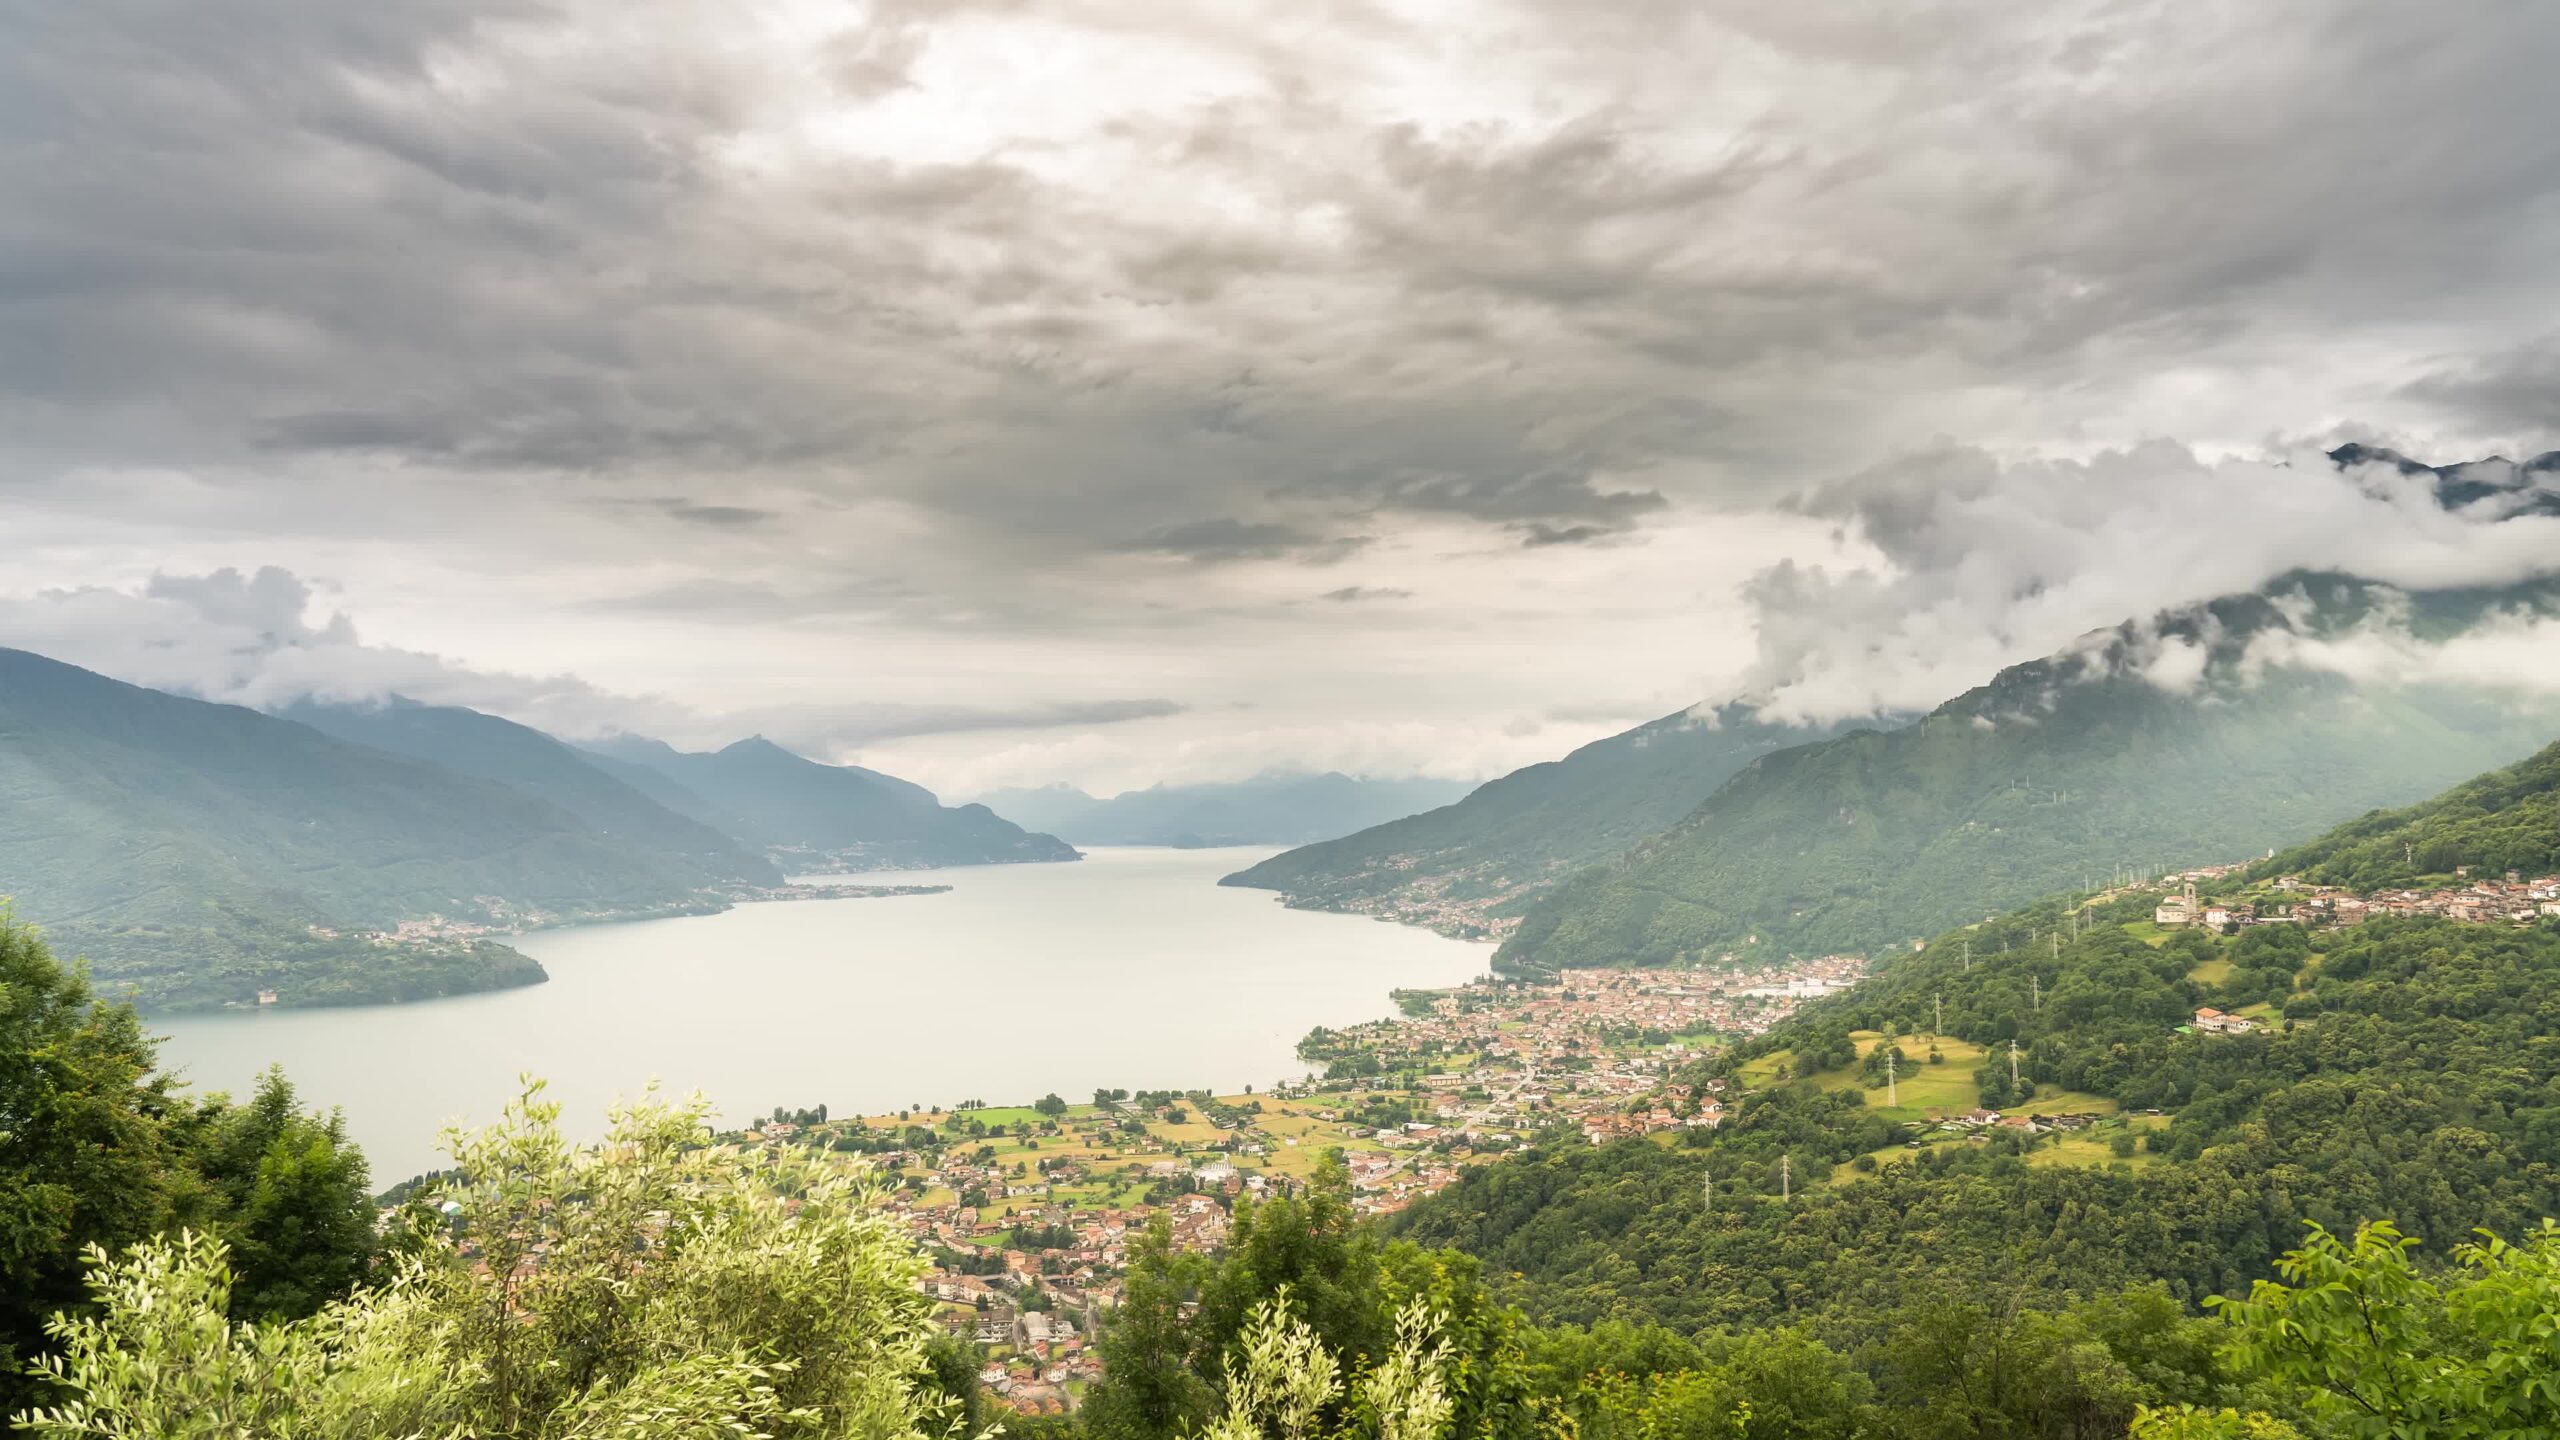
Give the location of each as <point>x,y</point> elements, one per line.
<point>1591,1049</point>
<point>1605,1126</point>
<point>2184,909</point>
<point>1992,1122</point>
<point>2513,900</point>
<point>1481,1070</point>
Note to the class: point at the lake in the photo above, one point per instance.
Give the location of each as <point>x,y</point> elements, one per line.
<point>1130,968</point>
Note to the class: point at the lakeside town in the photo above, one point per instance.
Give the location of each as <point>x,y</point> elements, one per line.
<point>500,918</point>
<point>1029,1212</point>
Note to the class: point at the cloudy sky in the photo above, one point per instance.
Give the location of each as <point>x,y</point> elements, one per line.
<point>1001,391</point>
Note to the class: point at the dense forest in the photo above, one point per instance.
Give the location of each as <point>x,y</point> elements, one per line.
<point>2057,773</point>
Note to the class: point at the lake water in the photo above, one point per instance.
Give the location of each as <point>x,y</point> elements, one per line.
<point>1130,968</point>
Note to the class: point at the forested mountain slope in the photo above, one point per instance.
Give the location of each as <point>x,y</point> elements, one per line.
<point>2402,1071</point>
<point>198,853</point>
<point>1265,810</point>
<point>763,795</point>
<point>1475,866</point>
<point>2176,739</point>
<point>523,759</point>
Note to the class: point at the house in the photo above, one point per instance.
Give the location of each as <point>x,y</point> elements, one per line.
<point>2179,909</point>
<point>2214,1022</point>
<point>2227,919</point>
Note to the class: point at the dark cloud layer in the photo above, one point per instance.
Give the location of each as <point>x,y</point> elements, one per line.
<point>1044,323</point>
<point>1627,250</point>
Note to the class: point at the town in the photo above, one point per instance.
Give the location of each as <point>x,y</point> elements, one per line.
<point>1029,1212</point>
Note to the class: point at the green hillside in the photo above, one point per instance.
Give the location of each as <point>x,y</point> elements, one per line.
<point>762,795</point>
<point>197,853</point>
<point>1491,855</point>
<point>2400,1072</point>
<point>2060,771</point>
<point>2506,820</point>
<point>526,760</point>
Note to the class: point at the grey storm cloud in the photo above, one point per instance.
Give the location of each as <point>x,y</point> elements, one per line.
<point>1227,538</point>
<point>2514,390</point>
<point>1733,250</point>
<point>693,514</point>
<point>852,318</point>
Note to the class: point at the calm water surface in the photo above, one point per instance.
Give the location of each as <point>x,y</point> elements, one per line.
<point>1130,969</point>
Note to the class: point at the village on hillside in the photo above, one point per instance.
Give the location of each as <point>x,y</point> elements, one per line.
<point>2291,900</point>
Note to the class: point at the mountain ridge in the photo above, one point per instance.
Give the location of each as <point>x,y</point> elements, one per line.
<point>1474,866</point>
<point>826,816</point>
<point>471,742</point>
<point>199,853</point>
<point>2082,762</point>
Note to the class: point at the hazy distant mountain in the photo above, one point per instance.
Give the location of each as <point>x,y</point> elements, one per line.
<point>763,795</point>
<point>527,760</point>
<point>1266,810</point>
<point>1473,865</point>
<point>198,853</point>
<point>2053,774</point>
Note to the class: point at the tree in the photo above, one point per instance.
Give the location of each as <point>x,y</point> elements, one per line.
<point>90,1143</point>
<point>1148,1387</point>
<point>297,1205</point>
<point>1284,1381</point>
<point>1050,1105</point>
<point>652,1287</point>
<point>2368,1346</point>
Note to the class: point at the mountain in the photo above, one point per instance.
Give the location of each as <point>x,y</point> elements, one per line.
<point>198,853</point>
<point>2396,1069</point>
<point>2528,487</point>
<point>1278,809</point>
<point>1480,866</point>
<point>1475,866</point>
<point>528,761</point>
<point>2507,820</point>
<point>2169,740</point>
<point>762,795</point>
